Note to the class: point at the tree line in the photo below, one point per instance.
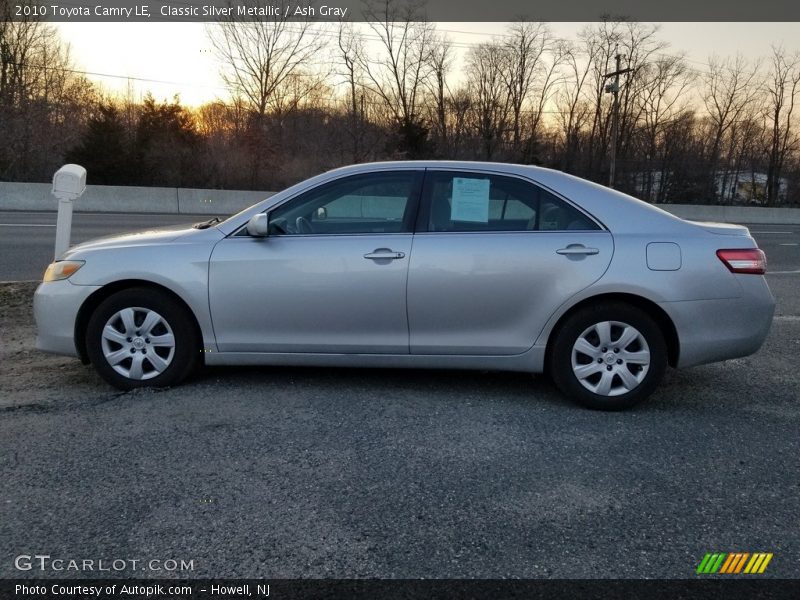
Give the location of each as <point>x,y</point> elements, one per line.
<point>307,97</point>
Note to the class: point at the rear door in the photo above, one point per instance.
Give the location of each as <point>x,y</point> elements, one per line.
<point>493,257</point>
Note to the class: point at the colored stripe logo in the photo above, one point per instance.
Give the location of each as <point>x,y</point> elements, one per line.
<point>733,563</point>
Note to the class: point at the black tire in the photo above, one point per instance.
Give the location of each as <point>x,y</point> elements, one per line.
<point>622,394</point>
<point>180,360</point>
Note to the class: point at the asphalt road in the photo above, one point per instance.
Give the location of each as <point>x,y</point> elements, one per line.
<point>27,238</point>
<point>377,473</point>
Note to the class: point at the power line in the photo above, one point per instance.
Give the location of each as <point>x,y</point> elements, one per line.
<point>113,76</point>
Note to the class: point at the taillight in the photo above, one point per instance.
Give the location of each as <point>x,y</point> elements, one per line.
<point>744,260</point>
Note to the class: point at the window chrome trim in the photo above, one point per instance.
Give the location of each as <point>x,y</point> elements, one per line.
<point>424,171</point>
<point>314,235</point>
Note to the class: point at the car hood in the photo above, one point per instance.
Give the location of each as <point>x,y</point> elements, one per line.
<point>157,235</point>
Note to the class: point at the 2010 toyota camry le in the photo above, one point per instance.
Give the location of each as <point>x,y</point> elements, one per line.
<point>452,265</point>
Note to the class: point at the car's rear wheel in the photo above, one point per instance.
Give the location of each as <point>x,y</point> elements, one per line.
<point>141,337</point>
<point>608,357</point>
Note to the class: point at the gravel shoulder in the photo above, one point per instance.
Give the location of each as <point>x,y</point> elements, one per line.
<point>28,376</point>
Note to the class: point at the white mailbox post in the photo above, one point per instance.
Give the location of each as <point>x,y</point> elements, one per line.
<point>69,183</point>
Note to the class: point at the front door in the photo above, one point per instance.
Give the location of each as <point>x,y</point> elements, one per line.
<point>329,278</point>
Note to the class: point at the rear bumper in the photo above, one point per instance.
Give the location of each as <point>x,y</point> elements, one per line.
<point>55,308</point>
<point>715,330</point>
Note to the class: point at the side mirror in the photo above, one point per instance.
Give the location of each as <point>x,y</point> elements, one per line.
<point>258,225</point>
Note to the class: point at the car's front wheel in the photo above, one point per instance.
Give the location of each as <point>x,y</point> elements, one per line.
<point>608,357</point>
<point>141,337</point>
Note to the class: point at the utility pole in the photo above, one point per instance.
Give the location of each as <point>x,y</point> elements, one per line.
<point>613,88</point>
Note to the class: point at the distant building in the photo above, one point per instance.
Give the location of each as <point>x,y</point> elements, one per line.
<point>748,188</point>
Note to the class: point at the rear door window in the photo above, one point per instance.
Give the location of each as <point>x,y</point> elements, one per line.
<point>466,201</point>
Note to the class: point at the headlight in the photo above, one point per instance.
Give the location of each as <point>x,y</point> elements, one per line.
<point>62,269</point>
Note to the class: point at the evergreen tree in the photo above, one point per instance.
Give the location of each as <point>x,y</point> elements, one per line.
<point>103,150</point>
<point>168,146</point>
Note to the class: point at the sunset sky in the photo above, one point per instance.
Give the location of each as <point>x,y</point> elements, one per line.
<point>176,58</point>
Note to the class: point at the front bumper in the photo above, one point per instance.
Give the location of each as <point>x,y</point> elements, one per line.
<point>55,309</point>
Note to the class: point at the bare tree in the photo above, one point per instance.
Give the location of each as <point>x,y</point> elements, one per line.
<point>491,104</point>
<point>683,175</point>
<point>599,43</point>
<point>663,97</point>
<point>782,88</point>
<point>44,100</point>
<point>21,44</point>
<point>640,47</point>
<point>350,48</point>
<point>637,43</point>
<point>398,73</point>
<point>730,88</point>
<point>524,50</point>
<point>550,76</point>
<point>459,106</point>
<point>743,156</point>
<point>441,60</point>
<point>260,59</point>
<point>573,110</point>
<point>259,56</point>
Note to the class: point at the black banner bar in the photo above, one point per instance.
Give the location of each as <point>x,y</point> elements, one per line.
<point>397,589</point>
<point>433,10</point>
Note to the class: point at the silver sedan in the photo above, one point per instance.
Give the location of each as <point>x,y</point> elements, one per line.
<point>454,265</point>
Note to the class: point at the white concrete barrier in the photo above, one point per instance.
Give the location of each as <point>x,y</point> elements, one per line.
<point>27,196</point>
<point>108,198</point>
<point>216,202</point>
<point>734,214</point>
<point>131,199</point>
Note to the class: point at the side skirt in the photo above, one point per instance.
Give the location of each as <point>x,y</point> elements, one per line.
<point>531,361</point>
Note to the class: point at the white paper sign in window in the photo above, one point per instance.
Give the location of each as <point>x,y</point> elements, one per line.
<point>470,200</point>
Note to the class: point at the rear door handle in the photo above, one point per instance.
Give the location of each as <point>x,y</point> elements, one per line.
<point>573,249</point>
<point>384,254</point>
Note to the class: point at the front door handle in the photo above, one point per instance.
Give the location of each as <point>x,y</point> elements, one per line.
<point>574,249</point>
<point>384,254</point>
